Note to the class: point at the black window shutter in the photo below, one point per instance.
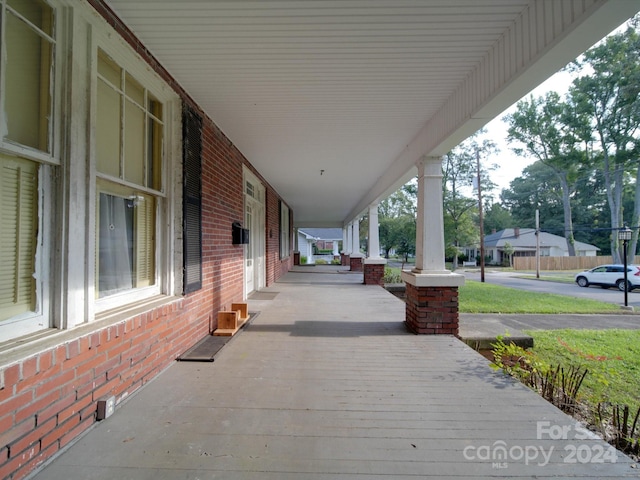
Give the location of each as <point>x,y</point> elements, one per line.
<point>192,199</point>
<point>280,228</point>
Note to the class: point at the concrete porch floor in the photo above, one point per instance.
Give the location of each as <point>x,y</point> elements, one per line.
<point>326,383</point>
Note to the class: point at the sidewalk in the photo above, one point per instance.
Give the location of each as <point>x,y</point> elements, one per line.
<point>326,383</point>
<point>480,330</point>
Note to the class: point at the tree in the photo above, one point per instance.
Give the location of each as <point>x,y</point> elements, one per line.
<point>397,224</point>
<point>607,94</point>
<point>406,237</point>
<point>537,189</point>
<point>403,202</point>
<point>496,218</point>
<point>540,125</point>
<point>460,173</point>
<point>508,251</point>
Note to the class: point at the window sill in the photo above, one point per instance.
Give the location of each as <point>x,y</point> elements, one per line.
<point>20,348</point>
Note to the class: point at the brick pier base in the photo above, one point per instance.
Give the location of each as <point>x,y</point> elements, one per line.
<point>344,259</point>
<point>432,310</point>
<point>356,264</point>
<point>373,273</point>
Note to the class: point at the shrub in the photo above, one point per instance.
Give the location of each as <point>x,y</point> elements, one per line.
<point>557,385</point>
<point>391,276</point>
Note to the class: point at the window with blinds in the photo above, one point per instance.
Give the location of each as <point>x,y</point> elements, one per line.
<point>18,217</point>
<point>129,139</point>
<point>27,47</point>
<point>125,244</point>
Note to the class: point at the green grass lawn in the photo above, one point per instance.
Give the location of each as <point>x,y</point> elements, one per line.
<point>477,297</point>
<point>611,356</point>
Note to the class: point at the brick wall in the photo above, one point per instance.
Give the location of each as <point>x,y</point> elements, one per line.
<point>47,399</point>
<point>222,204</point>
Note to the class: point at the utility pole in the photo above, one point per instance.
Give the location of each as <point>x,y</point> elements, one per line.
<point>480,216</point>
<point>537,243</point>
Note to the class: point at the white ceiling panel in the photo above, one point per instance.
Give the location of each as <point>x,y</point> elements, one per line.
<point>347,86</point>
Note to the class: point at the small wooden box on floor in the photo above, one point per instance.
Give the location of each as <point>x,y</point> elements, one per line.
<point>229,322</point>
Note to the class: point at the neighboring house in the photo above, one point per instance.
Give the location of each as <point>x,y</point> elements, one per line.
<point>323,238</point>
<point>522,241</point>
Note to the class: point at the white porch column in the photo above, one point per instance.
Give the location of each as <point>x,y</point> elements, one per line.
<point>355,244</point>
<point>430,221</point>
<point>431,289</point>
<point>344,240</point>
<point>296,246</point>
<point>335,248</point>
<point>347,248</point>
<point>374,264</point>
<point>374,233</point>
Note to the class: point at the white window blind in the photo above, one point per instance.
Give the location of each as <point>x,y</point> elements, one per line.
<point>18,217</point>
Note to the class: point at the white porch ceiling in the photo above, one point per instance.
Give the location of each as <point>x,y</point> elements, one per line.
<point>359,89</point>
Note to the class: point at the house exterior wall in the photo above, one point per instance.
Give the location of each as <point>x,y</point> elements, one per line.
<point>50,383</point>
<point>305,247</point>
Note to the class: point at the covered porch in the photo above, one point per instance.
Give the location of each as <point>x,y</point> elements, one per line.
<point>338,104</point>
<point>327,383</point>
<point>160,156</point>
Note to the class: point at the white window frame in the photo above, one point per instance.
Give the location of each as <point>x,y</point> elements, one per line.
<point>40,319</point>
<point>8,146</point>
<point>166,219</point>
<point>66,252</point>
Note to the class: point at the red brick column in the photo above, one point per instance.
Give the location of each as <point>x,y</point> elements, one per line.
<point>356,264</point>
<point>432,310</point>
<point>296,258</point>
<point>373,273</point>
<point>345,259</point>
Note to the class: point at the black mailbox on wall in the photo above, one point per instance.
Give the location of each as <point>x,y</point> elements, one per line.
<point>239,235</point>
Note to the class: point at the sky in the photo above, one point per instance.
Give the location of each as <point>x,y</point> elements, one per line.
<point>510,165</point>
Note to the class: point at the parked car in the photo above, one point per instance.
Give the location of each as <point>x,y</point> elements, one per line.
<point>606,276</point>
